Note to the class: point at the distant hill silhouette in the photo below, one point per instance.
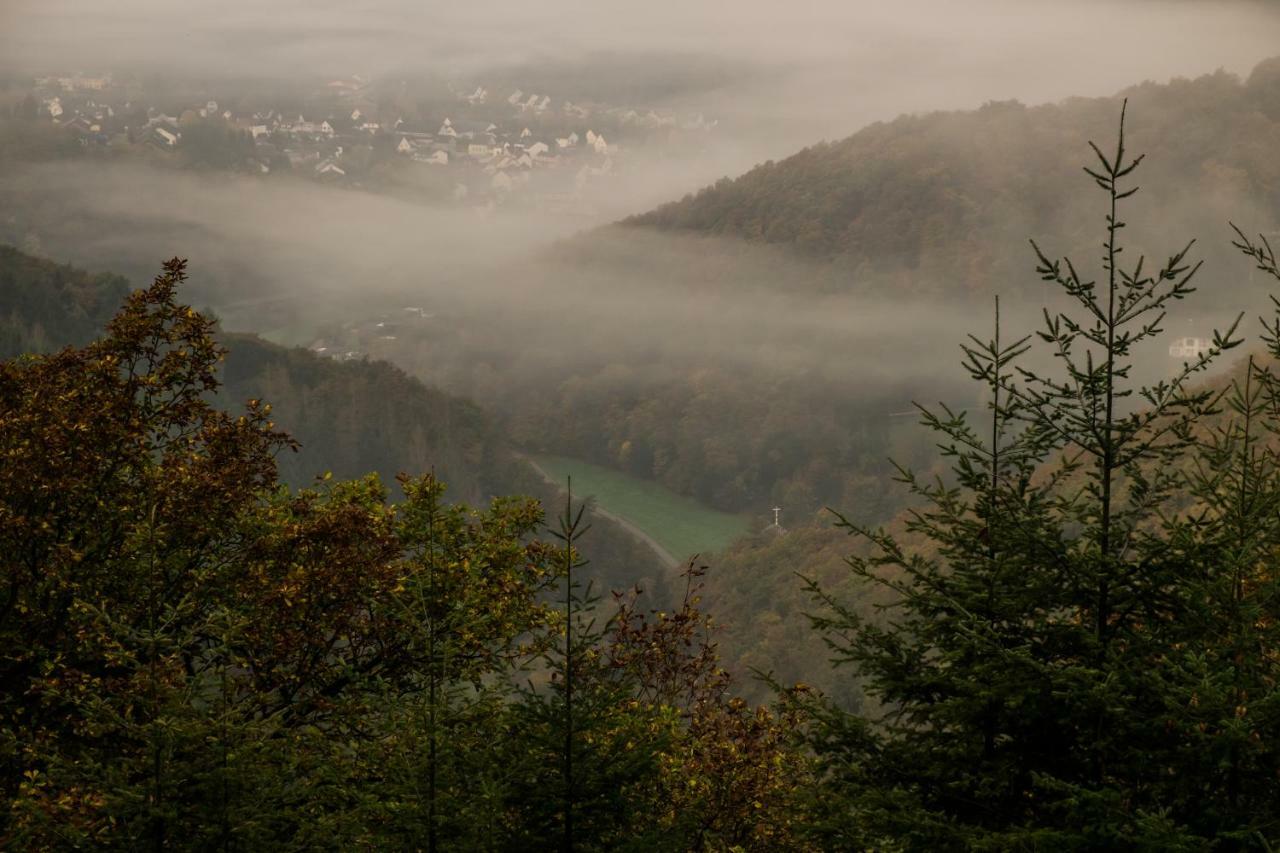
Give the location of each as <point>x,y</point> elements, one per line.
<point>946,200</point>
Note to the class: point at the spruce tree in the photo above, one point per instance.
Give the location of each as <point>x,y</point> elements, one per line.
<point>1022,666</point>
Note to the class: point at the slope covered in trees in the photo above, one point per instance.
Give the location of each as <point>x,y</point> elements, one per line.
<point>44,306</point>
<point>349,419</point>
<point>942,203</point>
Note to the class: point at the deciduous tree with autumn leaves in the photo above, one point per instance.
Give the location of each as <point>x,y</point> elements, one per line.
<point>195,656</point>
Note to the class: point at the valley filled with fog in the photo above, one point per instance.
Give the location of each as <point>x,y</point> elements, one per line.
<point>731,356</point>
<point>729,360</point>
<point>764,296</point>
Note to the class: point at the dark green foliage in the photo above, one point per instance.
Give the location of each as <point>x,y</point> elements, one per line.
<point>1088,603</point>
<point>44,306</point>
<point>584,753</point>
<point>355,417</point>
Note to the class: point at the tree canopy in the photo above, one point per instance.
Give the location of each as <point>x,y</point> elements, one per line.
<point>197,656</point>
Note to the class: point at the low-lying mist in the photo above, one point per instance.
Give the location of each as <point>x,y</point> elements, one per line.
<point>293,258</point>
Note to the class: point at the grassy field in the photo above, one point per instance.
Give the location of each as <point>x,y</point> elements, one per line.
<point>681,525</point>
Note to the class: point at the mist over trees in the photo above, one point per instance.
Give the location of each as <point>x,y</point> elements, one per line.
<point>941,201</point>
<point>1071,645</point>
<point>373,520</point>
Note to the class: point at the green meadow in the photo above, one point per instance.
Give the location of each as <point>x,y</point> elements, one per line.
<point>680,524</point>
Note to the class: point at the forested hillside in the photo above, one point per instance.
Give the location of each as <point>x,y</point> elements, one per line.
<point>44,306</point>
<point>370,416</point>
<point>718,403</point>
<point>942,203</point>
<point>349,418</point>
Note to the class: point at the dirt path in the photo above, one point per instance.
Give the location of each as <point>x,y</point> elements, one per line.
<point>663,554</point>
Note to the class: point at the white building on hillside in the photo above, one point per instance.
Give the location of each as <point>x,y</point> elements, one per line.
<point>1189,347</point>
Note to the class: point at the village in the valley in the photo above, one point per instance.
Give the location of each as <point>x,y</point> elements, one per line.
<point>467,145</point>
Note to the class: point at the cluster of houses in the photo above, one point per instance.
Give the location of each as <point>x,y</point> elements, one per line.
<point>90,121</point>
<point>76,83</point>
<point>539,105</point>
<point>70,102</point>
<point>342,137</point>
<point>507,156</point>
